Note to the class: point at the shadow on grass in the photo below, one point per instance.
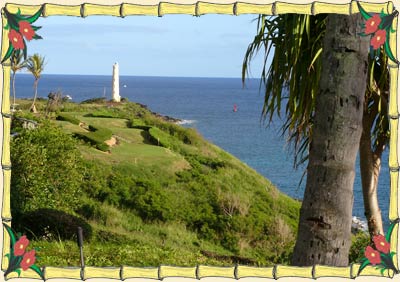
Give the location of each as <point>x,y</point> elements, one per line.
<point>148,139</point>
<point>52,224</point>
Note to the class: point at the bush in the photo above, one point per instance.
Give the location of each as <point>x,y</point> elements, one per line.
<point>100,100</point>
<point>53,224</point>
<point>19,119</point>
<point>358,244</point>
<point>151,201</point>
<point>46,170</point>
<point>66,117</point>
<point>91,210</point>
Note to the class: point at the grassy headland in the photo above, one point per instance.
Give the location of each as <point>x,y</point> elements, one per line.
<point>147,192</point>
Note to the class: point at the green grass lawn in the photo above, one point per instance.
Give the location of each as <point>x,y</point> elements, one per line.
<point>132,147</point>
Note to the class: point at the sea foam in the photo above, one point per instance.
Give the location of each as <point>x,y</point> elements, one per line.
<point>186,121</point>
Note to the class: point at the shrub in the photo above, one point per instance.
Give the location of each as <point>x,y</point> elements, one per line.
<point>46,170</point>
<point>92,210</point>
<point>19,119</point>
<point>359,242</point>
<point>99,100</point>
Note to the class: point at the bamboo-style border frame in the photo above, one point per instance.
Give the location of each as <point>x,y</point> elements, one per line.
<point>106,7</point>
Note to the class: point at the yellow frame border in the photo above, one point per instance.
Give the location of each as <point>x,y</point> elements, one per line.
<point>106,7</point>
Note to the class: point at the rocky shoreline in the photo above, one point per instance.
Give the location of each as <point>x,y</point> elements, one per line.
<point>165,118</point>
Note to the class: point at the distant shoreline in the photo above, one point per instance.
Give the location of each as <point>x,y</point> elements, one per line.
<point>139,76</point>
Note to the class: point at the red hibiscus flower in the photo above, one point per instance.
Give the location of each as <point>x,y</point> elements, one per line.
<point>16,39</point>
<point>26,30</point>
<point>378,39</point>
<point>372,24</point>
<point>381,244</point>
<point>372,255</point>
<point>28,260</point>
<point>20,246</point>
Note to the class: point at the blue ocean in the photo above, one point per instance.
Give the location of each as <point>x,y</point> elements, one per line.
<point>207,105</point>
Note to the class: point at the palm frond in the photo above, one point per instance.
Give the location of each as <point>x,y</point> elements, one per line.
<point>35,65</point>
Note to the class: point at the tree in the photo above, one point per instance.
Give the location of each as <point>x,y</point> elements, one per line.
<point>35,64</point>
<point>374,139</point>
<point>17,64</point>
<point>300,80</point>
<point>324,235</point>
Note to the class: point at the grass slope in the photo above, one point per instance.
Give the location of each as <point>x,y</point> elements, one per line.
<point>164,195</point>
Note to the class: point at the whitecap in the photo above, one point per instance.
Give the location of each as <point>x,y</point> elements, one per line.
<point>358,224</point>
<point>186,121</point>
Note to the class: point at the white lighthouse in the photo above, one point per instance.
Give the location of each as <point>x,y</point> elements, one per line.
<point>115,84</point>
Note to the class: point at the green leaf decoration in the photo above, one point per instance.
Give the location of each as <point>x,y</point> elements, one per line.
<point>37,270</point>
<point>392,254</point>
<point>35,16</point>
<point>18,260</point>
<point>12,22</point>
<point>382,270</point>
<point>7,27</point>
<point>18,271</point>
<point>36,28</point>
<point>11,233</point>
<point>363,265</point>
<point>391,56</point>
<point>364,13</point>
<point>37,36</point>
<point>18,12</point>
<point>25,50</point>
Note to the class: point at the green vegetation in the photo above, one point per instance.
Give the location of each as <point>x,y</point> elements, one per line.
<point>66,117</point>
<point>46,170</point>
<point>96,136</point>
<point>161,194</point>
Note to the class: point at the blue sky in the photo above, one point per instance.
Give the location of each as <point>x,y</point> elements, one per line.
<point>172,45</point>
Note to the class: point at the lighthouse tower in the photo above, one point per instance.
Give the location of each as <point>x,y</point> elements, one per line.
<point>115,84</point>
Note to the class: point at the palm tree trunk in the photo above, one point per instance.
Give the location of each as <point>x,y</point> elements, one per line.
<point>324,233</point>
<point>33,106</point>
<point>370,166</point>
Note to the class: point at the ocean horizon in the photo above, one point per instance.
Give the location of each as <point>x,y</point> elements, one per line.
<point>206,104</point>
